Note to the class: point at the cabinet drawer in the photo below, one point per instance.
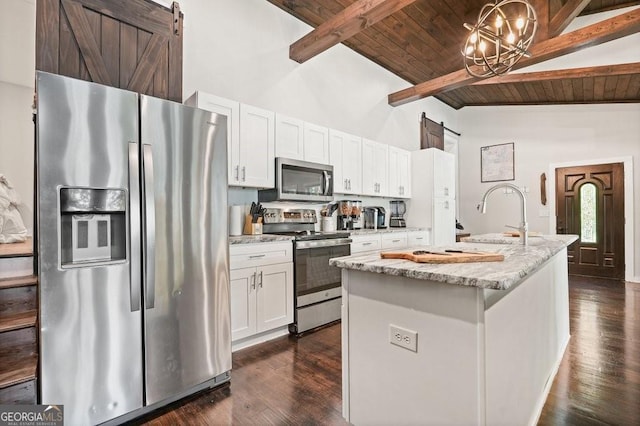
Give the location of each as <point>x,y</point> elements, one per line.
<point>366,243</point>
<point>394,240</point>
<point>250,255</point>
<point>418,238</point>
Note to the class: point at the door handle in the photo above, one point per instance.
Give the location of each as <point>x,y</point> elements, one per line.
<point>260,279</point>
<point>134,228</point>
<point>149,268</point>
<point>326,182</point>
<point>244,173</point>
<point>237,174</point>
<point>253,281</point>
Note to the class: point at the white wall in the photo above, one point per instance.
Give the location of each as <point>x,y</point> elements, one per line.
<point>239,50</point>
<point>542,135</point>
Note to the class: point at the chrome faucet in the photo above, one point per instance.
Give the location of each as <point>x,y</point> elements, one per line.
<point>523,228</point>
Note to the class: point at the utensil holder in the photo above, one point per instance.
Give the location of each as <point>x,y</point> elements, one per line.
<point>251,228</point>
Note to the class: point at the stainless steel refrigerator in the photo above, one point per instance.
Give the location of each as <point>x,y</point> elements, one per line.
<point>132,250</point>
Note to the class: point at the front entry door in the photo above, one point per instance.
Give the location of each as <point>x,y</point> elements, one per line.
<point>590,204</point>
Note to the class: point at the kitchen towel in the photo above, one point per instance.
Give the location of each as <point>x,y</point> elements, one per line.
<point>236,219</point>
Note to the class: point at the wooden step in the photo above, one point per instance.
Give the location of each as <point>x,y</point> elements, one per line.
<point>18,320</point>
<point>18,370</point>
<point>17,249</point>
<point>23,281</point>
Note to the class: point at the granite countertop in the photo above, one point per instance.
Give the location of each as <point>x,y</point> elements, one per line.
<point>262,238</point>
<point>384,231</point>
<point>269,238</point>
<point>519,262</point>
<point>533,240</point>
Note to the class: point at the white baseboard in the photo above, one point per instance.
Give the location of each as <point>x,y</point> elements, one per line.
<point>547,387</point>
<point>635,280</point>
<point>259,338</point>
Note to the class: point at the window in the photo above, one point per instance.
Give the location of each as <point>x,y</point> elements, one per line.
<point>588,219</point>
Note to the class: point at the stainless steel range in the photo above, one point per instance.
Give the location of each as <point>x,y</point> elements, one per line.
<point>317,285</point>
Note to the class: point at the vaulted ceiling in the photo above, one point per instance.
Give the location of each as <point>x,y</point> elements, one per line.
<point>421,41</point>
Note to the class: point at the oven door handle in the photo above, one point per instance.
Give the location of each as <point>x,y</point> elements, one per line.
<point>332,242</point>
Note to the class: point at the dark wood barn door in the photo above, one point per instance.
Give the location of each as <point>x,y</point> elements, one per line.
<point>431,133</point>
<point>133,44</point>
<point>590,204</point>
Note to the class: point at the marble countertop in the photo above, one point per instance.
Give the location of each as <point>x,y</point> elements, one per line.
<point>262,238</point>
<point>519,262</point>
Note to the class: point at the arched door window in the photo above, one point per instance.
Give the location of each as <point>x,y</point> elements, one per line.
<point>588,216</point>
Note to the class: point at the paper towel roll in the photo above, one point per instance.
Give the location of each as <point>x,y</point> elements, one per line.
<point>236,219</point>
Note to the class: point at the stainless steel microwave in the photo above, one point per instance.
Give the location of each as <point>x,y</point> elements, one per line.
<point>300,181</point>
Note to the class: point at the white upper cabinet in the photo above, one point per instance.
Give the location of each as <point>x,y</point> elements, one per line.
<point>299,140</point>
<point>289,137</point>
<point>256,165</point>
<point>231,109</point>
<point>316,143</point>
<point>399,173</point>
<point>375,168</point>
<point>345,155</point>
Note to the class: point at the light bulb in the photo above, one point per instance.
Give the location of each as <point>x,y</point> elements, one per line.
<point>511,38</point>
<point>469,50</point>
<point>519,23</point>
<point>474,37</point>
<point>482,46</point>
<point>499,21</point>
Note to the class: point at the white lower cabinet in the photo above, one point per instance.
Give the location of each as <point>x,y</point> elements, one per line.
<point>363,243</point>
<point>418,238</point>
<point>388,241</point>
<point>394,240</point>
<point>261,288</point>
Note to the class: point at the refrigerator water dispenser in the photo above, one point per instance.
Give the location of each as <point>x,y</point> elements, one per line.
<point>93,226</point>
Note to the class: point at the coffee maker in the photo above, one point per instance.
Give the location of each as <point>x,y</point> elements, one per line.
<point>398,209</point>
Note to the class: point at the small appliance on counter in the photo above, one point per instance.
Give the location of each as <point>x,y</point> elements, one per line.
<point>398,209</point>
<point>349,215</point>
<point>356,214</point>
<point>374,218</point>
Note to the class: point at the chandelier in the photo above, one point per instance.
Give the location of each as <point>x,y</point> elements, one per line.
<point>504,31</point>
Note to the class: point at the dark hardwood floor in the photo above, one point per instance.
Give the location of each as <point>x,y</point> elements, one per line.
<point>297,381</point>
<point>599,379</point>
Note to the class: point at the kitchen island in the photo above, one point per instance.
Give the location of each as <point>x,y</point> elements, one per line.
<point>464,343</point>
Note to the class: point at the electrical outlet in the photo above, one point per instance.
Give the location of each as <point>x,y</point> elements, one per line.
<point>404,338</point>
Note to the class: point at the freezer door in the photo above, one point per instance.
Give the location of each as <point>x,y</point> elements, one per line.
<point>90,316</point>
<point>187,329</point>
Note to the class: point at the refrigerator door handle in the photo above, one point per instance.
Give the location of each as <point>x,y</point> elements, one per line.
<point>149,227</point>
<point>134,227</point>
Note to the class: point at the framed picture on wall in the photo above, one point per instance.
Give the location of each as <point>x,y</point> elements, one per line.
<point>497,163</point>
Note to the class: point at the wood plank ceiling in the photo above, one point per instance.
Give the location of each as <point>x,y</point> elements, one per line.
<point>420,41</point>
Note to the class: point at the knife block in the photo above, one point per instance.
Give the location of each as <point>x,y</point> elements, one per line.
<point>251,228</point>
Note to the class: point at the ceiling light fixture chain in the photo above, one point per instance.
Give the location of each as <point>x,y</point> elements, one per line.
<point>501,37</point>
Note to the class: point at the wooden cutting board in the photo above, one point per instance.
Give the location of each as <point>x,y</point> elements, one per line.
<point>466,257</point>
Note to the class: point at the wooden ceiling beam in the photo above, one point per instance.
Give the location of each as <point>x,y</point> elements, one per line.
<point>539,76</point>
<point>565,15</point>
<point>350,21</point>
<point>592,35</point>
